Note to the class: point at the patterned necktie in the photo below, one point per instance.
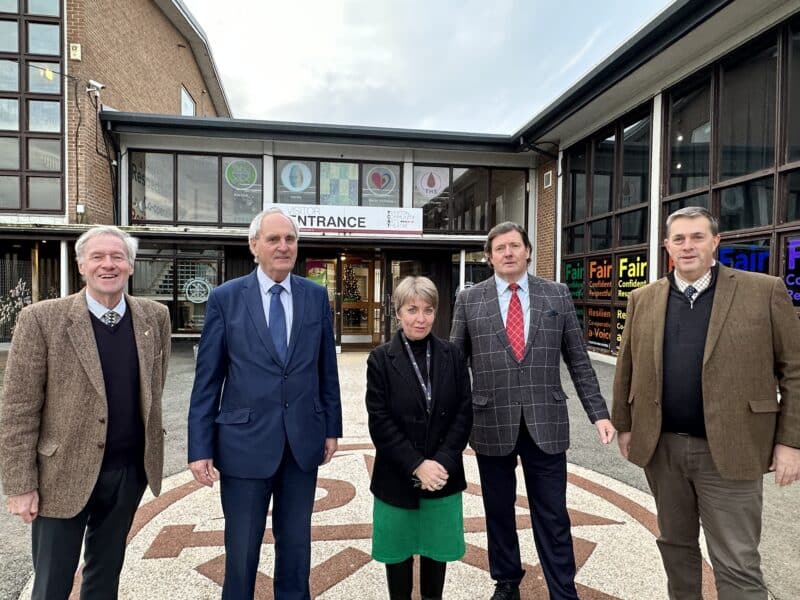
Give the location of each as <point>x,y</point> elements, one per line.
<point>515,329</point>
<point>277,321</point>
<point>111,318</point>
<point>689,292</point>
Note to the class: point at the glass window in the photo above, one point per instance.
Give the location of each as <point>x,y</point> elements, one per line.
<point>792,272</point>
<point>9,6</point>
<point>747,114</point>
<point>794,99</point>
<point>635,163</point>
<point>698,200</point>
<point>750,255</point>
<point>603,175</point>
<point>9,191</point>
<point>44,193</point>
<point>577,183</point>
<point>633,227</point>
<point>470,200</point>
<point>432,195</point>
<point>44,155</point>
<point>508,195</point>
<point>793,196</point>
<point>9,114</point>
<point>297,182</point>
<point>381,185</point>
<point>152,186</point>
<point>9,153</point>
<point>44,116</point>
<point>746,205</point>
<point>599,321</point>
<point>198,189</point>
<point>242,189</point>
<point>43,7</point>
<point>574,278</point>
<point>9,36</point>
<point>44,39</point>
<point>338,184</point>
<point>44,78</point>
<point>9,76</point>
<point>575,240</point>
<point>600,232</point>
<point>690,136</point>
<point>188,107</point>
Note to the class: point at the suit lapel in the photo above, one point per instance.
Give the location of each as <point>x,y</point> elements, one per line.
<point>401,362</point>
<point>255,307</point>
<point>143,332</point>
<point>723,297</point>
<point>492,311</point>
<point>298,314</point>
<point>536,299</point>
<point>659,316</point>
<point>81,335</point>
<point>442,367</point>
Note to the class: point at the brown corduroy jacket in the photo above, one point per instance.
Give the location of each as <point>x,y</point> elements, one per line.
<point>753,342</point>
<point>54,413</point>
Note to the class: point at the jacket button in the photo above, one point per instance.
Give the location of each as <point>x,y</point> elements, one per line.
<point>443,413</point>
<point>286,405</point>
<point>101,445</point>
<point>101,420</point>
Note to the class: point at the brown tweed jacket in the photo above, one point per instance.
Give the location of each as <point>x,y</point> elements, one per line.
<point>53,413</point>
<point>753,340</point>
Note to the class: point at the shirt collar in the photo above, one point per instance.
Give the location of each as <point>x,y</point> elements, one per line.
<point>502,284</point>
<point>699,285</point>
<point>265,282</point>
<point>98,309</point>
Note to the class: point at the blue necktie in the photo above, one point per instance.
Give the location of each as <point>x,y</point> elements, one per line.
<point>277,321</point>
<point>689,292</point>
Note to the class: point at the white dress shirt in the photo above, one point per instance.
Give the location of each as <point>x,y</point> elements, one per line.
<point>504,298</point>
<point>265,283</point>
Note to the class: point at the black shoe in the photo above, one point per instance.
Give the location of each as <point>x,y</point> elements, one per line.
<point>505,591</point>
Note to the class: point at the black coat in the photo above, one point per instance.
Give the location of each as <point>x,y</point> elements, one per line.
<point>404,433</point>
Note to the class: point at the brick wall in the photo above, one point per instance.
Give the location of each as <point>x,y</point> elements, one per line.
<point>546,221</point>
<point>143,60</point>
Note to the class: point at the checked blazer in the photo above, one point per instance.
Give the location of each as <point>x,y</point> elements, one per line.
<point>504,390</point>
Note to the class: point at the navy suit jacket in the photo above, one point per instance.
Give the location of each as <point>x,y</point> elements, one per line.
<point>245,403</point>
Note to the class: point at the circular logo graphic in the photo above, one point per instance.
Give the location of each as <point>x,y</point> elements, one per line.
<point>241,174</point>
<point>296,176</point>
<point>430,184</point>
<point>381,181</point>
<point>197,290</point>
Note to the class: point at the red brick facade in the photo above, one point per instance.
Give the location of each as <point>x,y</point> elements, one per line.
<point>545,238</point>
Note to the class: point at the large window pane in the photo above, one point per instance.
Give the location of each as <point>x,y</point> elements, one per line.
<point>432,195</point>
<point>470,200</point>
<point>603,175</point>
<point>9,114</point>
<point>188,107</point>
<point>633,227</point>
<point>44,155</point>
<point>338,184</point>
<point>750,255</point>
<point>44,116</point>
<point>575,239</point>
<point>381,185</point>
<point>9,6</point>
<point>635,163</point>
<point>242,189</point>
<point>576,159</point>
<point>43,7</point>
<point>690,136</point>
<point>793,196</point>
<point>747,114</point>
<point>9,36</point>
<point>9,153</point>
<point>44,78</point>
<point>9,191</point>
<point>793,128</point>
<point>198,189</point>
<point>152,186</point>
<point>508,195</point>
<point>9,76</point>
<point>600,232</point>
<point>297,182</point>
<point>44,39</point>
<point>746,205</point>
<point>698,200</point>
<point>44,193</point>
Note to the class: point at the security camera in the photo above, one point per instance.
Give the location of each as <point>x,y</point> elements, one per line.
<point>96,85</point>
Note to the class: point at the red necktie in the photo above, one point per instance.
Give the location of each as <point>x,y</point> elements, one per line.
<point>515,328</point>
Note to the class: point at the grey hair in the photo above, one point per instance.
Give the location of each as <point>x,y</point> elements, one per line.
<point>415,287</point>
<point>131,243</point>
<point>255,224</point>
<point>693,212</point>
<point>507,227</point>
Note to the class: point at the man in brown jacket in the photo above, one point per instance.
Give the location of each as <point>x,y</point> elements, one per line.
<point>696,405</point>
<point>80,421</point>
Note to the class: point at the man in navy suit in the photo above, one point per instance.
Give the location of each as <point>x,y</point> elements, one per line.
<point>265,410</point>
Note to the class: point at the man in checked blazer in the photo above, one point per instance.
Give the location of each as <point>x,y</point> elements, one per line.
<point>80,422</point>
<point>519,406</point>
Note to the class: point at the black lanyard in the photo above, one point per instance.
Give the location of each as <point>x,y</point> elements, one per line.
<point>425,385</point>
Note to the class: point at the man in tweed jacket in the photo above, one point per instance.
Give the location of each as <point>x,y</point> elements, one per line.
<point>520,408</point>
<point>80,422</point>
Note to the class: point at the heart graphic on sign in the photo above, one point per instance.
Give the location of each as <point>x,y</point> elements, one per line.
<point>380,180</point>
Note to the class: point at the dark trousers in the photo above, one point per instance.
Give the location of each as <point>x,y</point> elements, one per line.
<point>400,577</point>
<point>105,520</point>
<point>546,483</point>
<point>688,489</point>
<point>245,503</point>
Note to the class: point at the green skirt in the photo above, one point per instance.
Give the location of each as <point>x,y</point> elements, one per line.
<point>435,530</point>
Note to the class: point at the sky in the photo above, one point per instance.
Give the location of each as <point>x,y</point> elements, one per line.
<point>482,66</point>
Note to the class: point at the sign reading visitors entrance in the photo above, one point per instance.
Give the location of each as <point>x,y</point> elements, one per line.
<point>356,219</point>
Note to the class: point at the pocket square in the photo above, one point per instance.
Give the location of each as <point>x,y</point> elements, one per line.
<point>552,313</point>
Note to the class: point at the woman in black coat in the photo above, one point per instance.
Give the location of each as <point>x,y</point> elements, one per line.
<point>420,415</point>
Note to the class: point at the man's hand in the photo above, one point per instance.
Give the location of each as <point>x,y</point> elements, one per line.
<point>25,505</point>
<point>624,441</point>
<point>432,475</point>
<point>786,464</point>
<point>331,445</point>
<point>605,430</point>
<point>204,471</point>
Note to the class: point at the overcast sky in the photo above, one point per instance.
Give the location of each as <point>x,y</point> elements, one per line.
<point>485,66</point>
